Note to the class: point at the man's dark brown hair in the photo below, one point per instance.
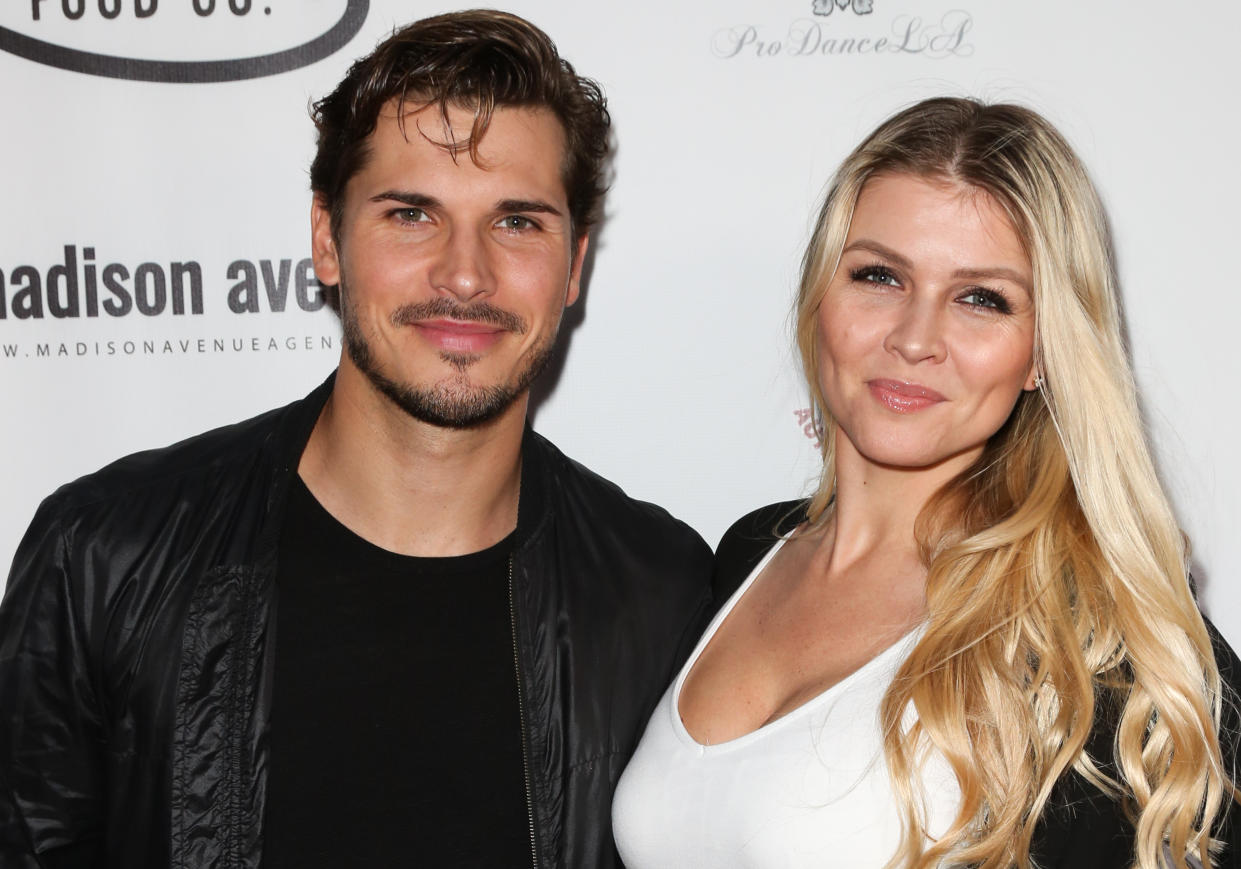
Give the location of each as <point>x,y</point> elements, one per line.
<point>476,60</point>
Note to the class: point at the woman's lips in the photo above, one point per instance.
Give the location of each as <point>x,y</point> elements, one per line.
<point>903,397</point>
<point>459,336</point>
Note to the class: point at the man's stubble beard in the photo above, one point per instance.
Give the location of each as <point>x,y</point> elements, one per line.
<point>452,402</point>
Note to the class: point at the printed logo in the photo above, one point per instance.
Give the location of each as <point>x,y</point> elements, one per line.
<point>62,34</point>
<point>834,33</point>
<point>80,286</point>
<point>860,7</point>
<point>809,426</point>
<point>137,303</point>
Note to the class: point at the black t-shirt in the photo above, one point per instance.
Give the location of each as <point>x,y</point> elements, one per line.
<point>396,738</point>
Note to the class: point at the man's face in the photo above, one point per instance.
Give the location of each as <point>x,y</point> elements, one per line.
<point>453,275</point>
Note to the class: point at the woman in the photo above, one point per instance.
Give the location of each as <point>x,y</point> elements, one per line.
<point>975,644</point>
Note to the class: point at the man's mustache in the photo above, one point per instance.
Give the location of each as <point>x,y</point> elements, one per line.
<point>479,312</point>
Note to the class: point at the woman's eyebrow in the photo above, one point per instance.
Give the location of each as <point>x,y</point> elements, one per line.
<point>880,249</point>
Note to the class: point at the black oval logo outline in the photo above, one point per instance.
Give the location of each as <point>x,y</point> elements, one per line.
<point>189,71</point>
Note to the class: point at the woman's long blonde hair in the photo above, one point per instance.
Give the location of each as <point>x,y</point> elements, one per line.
<point>1057,592</point>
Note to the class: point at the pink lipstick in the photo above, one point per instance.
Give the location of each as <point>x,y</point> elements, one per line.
<point>903,397</point>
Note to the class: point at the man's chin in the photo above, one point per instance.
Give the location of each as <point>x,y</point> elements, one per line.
<point>450,404</point>
<point>457,400</point>
<point>460,361</point>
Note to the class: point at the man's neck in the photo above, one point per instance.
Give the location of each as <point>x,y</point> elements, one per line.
<point>408,486</point>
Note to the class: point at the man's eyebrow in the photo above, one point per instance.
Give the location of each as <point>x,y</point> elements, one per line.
<point>528,205</point>
<point>506,206</point>
<point>414,200</point>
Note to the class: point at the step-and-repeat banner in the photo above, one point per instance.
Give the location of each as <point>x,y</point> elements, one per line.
<point>155,278</point>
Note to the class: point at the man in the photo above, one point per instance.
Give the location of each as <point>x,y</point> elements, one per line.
<point>387,625</point>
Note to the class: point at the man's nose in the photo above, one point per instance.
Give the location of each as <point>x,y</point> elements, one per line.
<point>462,267</point>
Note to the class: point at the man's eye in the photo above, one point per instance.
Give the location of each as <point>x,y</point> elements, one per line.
<point>516,222</point>
<point>875,275</point>
<point>412,215</point>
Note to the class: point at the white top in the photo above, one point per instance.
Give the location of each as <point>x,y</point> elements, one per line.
<point>808,789</point>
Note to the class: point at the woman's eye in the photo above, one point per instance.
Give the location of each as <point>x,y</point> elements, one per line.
<point>875,275</point>
<point>983,298</point>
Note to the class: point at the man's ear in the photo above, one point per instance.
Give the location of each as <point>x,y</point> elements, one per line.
<point>323,243</point>
<point>575,274</point>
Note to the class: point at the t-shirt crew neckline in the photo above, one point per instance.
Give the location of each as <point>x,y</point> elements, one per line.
<point>352,546</point>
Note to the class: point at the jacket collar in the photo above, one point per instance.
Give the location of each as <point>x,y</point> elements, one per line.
<point>533,504</point>
<point>285,445</point>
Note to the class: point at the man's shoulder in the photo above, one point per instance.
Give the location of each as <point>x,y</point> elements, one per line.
<point>643,573</point>
<point>598,497</point>
<point>201,460</point>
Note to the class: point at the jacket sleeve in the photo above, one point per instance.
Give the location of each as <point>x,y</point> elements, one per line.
<point>1082,828</point>
<point>1229,826</point>
<point>51,737</point>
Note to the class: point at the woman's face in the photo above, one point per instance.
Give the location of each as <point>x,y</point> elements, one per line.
<point>926,331</point>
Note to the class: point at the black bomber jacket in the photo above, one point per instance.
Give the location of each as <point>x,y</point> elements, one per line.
<point>137,651</point>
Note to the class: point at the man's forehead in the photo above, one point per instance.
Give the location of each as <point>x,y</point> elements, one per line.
<point>519,142</point>
<point>519,158</point>
<point>457,126</point>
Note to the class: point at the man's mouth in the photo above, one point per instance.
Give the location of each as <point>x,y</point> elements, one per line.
<point>459,336</point>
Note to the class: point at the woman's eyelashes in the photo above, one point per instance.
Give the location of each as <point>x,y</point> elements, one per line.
<point>982,298</point>
<point>875,274</point>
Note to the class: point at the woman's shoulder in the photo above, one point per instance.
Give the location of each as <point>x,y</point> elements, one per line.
<point>748,540</point>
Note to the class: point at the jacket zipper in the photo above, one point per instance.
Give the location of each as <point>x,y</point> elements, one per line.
<point>521,711</point>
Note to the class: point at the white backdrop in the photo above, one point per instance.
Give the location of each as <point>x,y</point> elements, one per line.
<point>677,378</point>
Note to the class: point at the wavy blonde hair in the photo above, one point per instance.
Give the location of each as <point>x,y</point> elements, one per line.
<point>1056,589</point>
